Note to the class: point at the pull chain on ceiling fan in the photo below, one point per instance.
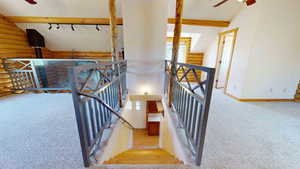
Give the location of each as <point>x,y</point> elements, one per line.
<point>248,2</point>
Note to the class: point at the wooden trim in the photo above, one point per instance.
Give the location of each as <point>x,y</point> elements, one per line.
<point>197,22</point>
<point>222,36</point>
<point>258,100</point>
<point>105,21</point>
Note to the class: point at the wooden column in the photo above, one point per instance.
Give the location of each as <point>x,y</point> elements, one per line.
<point>114,36</point>
<point>176,43</point>
<point>113,29</point>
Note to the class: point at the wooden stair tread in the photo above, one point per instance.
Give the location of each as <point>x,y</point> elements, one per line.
<point>144,156</point>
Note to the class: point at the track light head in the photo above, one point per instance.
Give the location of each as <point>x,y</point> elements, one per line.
<point>97,28</point>
<point>50,26</point>
<point>72,27</point>
<point>58,26</point>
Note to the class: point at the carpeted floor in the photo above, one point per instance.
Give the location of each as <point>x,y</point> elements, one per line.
<point>38,131</point>
<point>262,135</point>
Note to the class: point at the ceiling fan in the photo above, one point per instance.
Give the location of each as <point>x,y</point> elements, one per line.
<point>248,2</point>
<point>32,2</point>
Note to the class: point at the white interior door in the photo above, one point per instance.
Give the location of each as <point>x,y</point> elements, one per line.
<point>225,60</point>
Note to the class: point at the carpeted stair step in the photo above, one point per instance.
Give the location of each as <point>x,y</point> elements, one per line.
<point>144,156</point>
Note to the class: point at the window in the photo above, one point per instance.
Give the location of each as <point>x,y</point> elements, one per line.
<point>184,49</point>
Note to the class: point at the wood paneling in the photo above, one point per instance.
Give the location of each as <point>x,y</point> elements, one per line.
<point>13,44</point>
<point>81,55</point>
<point>194,59</point>
<point>105,21</point>
<point>191,58</point>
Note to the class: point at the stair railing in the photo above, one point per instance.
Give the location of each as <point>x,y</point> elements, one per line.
<point>191,96</point>
<point>97,95</point>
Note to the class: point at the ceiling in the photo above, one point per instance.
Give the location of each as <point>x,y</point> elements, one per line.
<point>203,9</point>
<point>193,9</point>
<point>65,39</point>
<point>58,8</point>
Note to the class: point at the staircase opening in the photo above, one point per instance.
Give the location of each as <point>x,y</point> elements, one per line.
<point>138,123</point>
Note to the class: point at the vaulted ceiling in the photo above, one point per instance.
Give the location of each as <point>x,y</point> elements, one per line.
<point>65,39</point>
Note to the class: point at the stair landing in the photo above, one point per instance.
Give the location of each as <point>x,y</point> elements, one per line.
<point>144,156</point>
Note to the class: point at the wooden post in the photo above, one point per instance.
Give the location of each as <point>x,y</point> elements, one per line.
<point>114,36</point>
<point>113,29</point>
<point>176,43</point>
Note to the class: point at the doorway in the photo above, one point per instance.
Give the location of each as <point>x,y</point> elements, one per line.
<point>226,46</point>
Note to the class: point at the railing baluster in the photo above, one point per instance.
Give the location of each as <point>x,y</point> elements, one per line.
<point>101,112</point>
<point>92,119</point>
<point>96,106</point>
<point>87,123</point>
<point>191,116</point>
<point>191,108</point>
<point>199,123</point>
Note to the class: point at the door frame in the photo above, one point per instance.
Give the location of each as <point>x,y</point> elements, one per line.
<point>221,40</point>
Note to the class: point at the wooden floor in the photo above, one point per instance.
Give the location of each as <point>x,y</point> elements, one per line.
<point>144,156</point>
<point>141,140</point>
<point>145,151</point>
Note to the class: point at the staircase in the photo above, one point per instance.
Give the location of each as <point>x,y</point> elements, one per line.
<point>297,96</point>
<point>144,156</point>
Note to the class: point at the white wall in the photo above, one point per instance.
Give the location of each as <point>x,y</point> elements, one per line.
<point>119,139</point>
<point>211,53</point>
<point>201,36</point>
<point>266,57</point>
<point>145,26</point>
<point>138,114</point>
<point>84,38</point>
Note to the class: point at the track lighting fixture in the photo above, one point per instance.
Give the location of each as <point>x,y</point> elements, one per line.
<point>72,26</point>
<point>50,26</point>
<point>98,27</point>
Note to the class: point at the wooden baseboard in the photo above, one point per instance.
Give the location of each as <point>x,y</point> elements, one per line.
<point>259,100</point>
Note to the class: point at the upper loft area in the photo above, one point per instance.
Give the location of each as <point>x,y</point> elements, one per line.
<point>153,82</point>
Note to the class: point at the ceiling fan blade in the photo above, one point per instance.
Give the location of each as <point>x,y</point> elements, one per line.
<point>250,2</point>
<point>31,2</point>
<point>220,3</point>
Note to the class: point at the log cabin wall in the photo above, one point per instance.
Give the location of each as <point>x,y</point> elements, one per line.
<point>81,55</point>
<point>13,44</point>
<point>194,59</point>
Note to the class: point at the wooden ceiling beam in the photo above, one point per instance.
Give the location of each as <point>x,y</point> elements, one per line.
<point>105,21</point>
<point>61,20</point>
<point>197,22</point>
